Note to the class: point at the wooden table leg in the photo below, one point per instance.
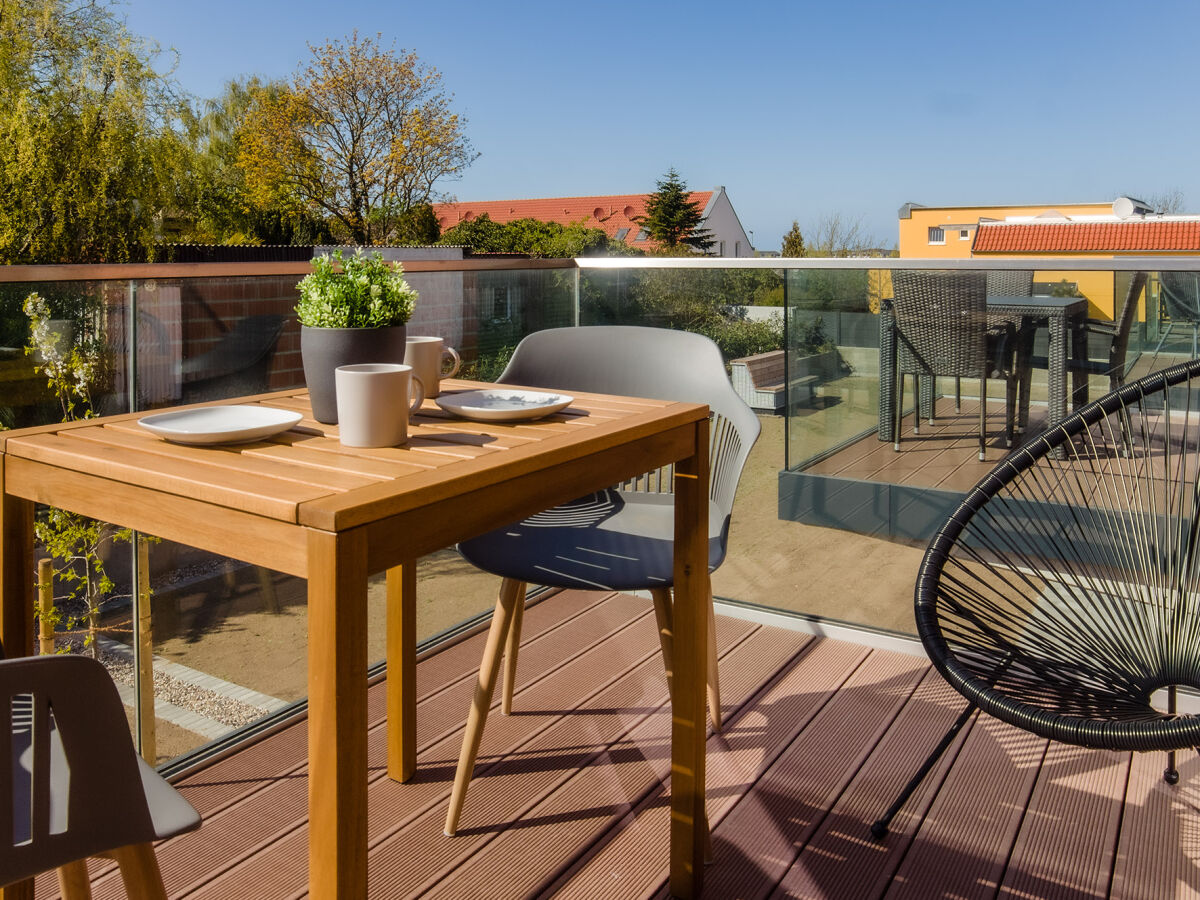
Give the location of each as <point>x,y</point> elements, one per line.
<point>689,723</point>
<point>337,714</point>
<point>16,603</point>
<point>16,573</point>
<point>402,670</point>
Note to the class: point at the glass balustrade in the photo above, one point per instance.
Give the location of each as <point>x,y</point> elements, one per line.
<point>830,520</point>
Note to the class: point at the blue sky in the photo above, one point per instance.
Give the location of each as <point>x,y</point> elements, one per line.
<point>801,109</point>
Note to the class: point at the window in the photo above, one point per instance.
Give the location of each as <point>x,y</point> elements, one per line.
<point>964,234</point>
<point>621,234</point>
<point>642,235</point>
<point>936,235</point>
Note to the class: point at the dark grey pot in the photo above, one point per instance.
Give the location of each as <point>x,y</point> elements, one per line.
<point>324,349</point>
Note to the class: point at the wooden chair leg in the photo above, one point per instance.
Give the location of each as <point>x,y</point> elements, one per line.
<point>73,881</point>
<point>666,637</point>
<point>708,841</point>
<point>140,872</point>
<point>666,629</point>
<point>714,681</point>
<point>489,668</point>
<point>511,649</point>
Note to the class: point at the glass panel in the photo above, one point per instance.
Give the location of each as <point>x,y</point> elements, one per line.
<point>830,520</point>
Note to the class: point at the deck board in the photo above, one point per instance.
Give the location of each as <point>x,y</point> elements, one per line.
<point>569,798</point>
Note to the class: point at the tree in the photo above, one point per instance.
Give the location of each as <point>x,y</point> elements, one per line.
<point>529,236</point>
<point>793,242</point>
<point>837,236</point>
<point>417,225</point>
<point>1169,202</point>
<point>90,152</point>
<point>217,207</point>
<point>672,219</point>
<point>361,135</point>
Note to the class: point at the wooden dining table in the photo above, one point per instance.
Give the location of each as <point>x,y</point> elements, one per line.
<point>301,503</point>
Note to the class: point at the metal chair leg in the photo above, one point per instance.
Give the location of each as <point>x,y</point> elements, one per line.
<point>1166,334</point>
<point>916,404</point>
<point>1171,774</point>
<point>1010,402</point>
<point>880,827</point>
<point>958,395</point>
<point>982,419</point>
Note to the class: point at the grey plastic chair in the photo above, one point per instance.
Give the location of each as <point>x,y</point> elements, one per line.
<point>942,329</point>
<point>75,786</point>
<point>621,538</point>
<point>1181,294</point>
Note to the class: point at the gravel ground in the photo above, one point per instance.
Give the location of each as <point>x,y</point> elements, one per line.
<point>208,703</point>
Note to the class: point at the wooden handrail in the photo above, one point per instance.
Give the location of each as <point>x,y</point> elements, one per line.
<point>124,271</point>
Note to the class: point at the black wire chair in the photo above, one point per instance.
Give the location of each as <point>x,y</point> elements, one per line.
<point>1063,595</point>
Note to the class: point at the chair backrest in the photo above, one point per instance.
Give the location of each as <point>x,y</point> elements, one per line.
<point>1063,592</point>
<point>656,363</point>
<point>1125,319</point>
<point>941,322</point>
<point>238,364</point>
<point>1010,282</point>
<point>1181,293</point>
<point>70,783</point>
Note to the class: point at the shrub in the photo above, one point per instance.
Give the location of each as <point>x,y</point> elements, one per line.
<point>360,292</point>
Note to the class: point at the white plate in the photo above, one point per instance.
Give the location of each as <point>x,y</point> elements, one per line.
<point>503,404</point>
<point>220,424</point>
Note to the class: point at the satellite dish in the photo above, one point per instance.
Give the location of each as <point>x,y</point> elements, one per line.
<point>1124,207</point>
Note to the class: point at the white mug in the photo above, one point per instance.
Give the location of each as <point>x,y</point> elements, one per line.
<point>373,403</point>
<point>428,357</point>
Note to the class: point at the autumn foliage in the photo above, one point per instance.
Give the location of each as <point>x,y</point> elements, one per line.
<point>358,137</point>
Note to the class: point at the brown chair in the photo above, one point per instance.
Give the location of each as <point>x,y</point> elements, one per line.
<point>75,787</point>
<point>942,329</point>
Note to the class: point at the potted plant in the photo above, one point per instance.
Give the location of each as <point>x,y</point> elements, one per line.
<point>351,310</point>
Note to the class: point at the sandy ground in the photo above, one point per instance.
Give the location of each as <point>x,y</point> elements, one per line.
<point>225,626</point>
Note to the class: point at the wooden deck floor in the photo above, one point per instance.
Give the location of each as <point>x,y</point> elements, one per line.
<point>569,796</point>
<point>944,455</point>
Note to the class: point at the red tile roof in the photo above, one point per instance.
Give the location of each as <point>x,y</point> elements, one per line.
<point>1079,237</point>
<point>611,213</point>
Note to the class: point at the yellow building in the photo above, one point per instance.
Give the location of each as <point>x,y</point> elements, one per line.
<point>1125,227</point>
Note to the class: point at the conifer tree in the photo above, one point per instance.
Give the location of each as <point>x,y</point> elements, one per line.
<point>672,218</point>
<point>793,242</point>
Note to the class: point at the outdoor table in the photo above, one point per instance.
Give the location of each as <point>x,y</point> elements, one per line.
<point>301,503</point>
<point>1062,316</point>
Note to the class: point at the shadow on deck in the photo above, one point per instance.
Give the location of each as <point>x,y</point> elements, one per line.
<point>570,795</point>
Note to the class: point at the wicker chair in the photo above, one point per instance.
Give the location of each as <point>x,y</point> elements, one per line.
<point>1116,335</point>
<point>942,329</point>
<point>1015,283</point>
<point>1181,294</point>
<point>1063,595</point>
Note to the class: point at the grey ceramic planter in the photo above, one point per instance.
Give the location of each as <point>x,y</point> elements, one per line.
<point>324,349</point>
